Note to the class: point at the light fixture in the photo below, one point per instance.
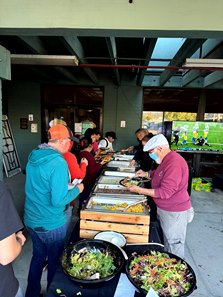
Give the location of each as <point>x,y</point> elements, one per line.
<point>204,63</point>
<point>51,60</point>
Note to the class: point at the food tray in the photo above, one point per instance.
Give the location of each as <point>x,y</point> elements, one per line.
<point>119,157</point>
<point>134,226</point>
<point>110,180</point>
<point>118,164</point>
<point>96,202</point>
<point>118,173</point>
<point>109,189</point>
<point>126,169</point>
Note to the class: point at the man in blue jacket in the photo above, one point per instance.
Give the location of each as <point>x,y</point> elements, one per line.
<point>47,198</point>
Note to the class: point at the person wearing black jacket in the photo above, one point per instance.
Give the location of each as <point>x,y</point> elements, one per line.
<point>145,163</point>
<point>11,243</point>
<point>141,157</point>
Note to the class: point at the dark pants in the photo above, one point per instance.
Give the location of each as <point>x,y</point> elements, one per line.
<point>46,245</point>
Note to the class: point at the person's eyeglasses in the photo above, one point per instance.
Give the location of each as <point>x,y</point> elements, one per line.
<point>151,151</point>
<point>157,147</point>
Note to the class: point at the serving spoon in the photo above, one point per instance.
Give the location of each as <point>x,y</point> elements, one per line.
<point>135,203</point>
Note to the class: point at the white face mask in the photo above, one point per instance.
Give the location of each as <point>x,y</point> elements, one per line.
<point>154,156</point>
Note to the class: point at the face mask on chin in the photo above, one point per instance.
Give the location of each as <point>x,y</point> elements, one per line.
<point>154,156</point>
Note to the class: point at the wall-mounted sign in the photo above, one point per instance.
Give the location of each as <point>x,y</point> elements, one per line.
<point>23,123</point>
<point>10,156</point>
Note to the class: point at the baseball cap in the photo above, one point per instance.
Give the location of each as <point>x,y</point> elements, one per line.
<point>60,131</point>
<point>157,140</point>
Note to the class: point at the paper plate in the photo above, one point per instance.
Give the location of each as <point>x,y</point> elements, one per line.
<point>113,237</point>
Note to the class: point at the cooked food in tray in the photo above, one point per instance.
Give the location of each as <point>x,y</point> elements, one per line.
<point>129,203</point>
<point>124,207</point>
<point>112,189</point>
<point>107,158</point>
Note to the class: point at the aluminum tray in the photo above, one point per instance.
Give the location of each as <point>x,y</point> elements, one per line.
<point>118,164</point>
<point>96,203</point>
<point>118,173</point>
<point>106,189</point>
<point>123,157</point>
<point>110,179</point>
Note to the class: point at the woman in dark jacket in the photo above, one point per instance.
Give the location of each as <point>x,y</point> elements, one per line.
<point>93,168</point>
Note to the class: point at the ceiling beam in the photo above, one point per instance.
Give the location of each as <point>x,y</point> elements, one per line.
<point>33,43</point>
<point>213,78</point>
<point>66,73</point>
<point>189,47</point>
<point>149,46</point>
<point>111,44</point>
<point>215,53</point>
<point>74,47</point>
<point>49,60</point>
<point>36,46</point>
<point>42,74</point>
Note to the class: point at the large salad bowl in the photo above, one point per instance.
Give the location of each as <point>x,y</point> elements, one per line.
<point>92,262</point>
<point>167,274</point>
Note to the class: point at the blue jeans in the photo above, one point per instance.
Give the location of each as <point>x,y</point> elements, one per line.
<point>47,244</point>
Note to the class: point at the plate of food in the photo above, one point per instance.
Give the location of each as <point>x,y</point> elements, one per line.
<point>134,181</point>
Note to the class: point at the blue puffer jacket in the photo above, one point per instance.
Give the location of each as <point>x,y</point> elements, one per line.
<point>46,189</point>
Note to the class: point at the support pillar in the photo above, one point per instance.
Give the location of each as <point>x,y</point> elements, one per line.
<point>201,106</point>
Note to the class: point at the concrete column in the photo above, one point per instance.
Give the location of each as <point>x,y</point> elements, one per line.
<point>201,106</point>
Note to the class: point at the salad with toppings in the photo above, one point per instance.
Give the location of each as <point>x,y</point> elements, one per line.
<point>167,276</point>
<point>90,264</point>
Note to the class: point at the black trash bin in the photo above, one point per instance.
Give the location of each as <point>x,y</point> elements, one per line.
<point>218,181</point>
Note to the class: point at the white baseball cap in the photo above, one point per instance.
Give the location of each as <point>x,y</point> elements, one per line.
<point>157,140</point>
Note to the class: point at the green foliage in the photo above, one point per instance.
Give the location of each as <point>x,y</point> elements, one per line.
<point>179,116</point>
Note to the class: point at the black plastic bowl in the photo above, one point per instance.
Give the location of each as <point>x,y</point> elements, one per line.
<point>91,245</point>
<point>191,275</point>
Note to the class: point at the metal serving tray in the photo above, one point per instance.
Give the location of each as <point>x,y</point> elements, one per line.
<point>118,173</point>
<point>118,164</point>
<point>110,179</point>
<point>107,189</point>
<point>97,202</point>
<point>120,157</point>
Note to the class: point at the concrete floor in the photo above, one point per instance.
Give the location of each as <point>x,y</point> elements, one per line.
<point>204,246</point>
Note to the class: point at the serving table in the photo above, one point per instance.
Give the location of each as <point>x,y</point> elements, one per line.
<point>69,289</point>
<point>102,214</point>
<point>135,226</point>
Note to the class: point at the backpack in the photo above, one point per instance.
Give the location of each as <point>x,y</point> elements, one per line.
<point>103,138</point>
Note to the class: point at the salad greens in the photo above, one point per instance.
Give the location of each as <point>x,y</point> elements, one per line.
<point>90,263</point>
<point>167,276</point>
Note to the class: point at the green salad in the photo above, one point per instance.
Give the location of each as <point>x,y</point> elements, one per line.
<point>89,263</point>
<point>167,276</point>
